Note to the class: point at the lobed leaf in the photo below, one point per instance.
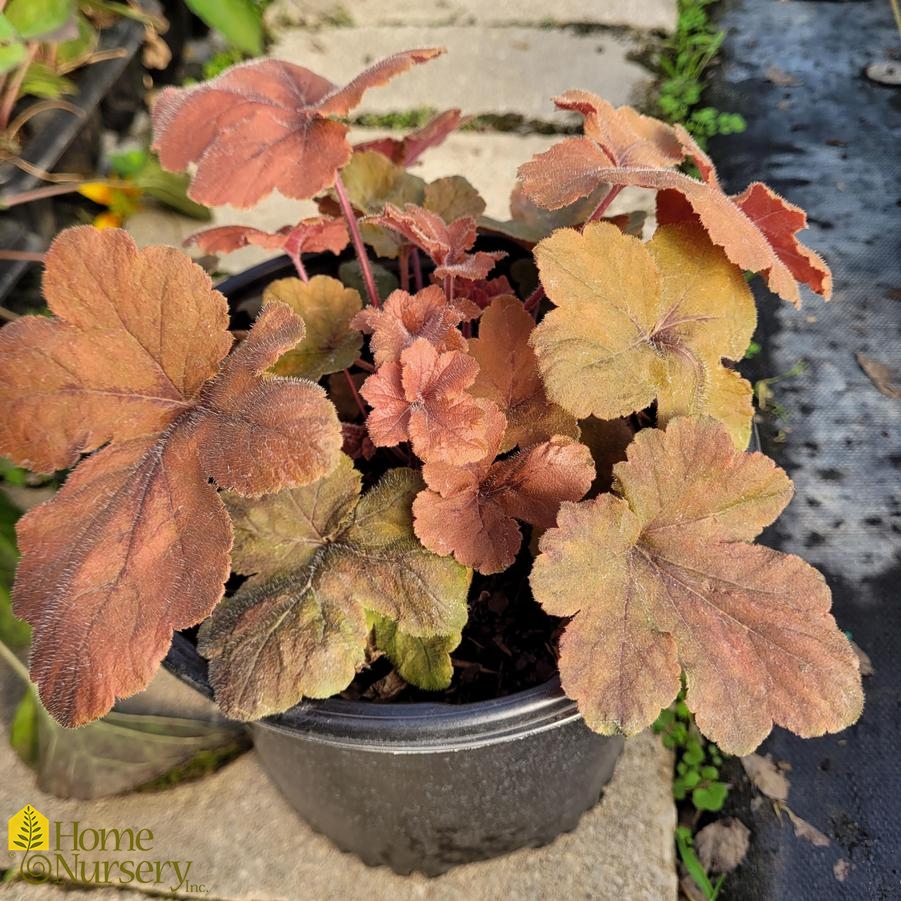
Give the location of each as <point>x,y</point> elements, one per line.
<point>138,540</point>
<point>324,560</point>
<point>407,150</point>
<point>508,376</point>
<point>422,398</point>
<point>313,235</point>
<point>636,322</point>
<point>756,229</point>
<point>405,317</point>
<point>471,511</point>
<point>664,579</point>
<point>264,125</point>
<point>327,309</point>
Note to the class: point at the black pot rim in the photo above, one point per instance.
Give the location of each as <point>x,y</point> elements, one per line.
<point>414,728</point>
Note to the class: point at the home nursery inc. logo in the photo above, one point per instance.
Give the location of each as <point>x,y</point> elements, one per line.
<point>79,854</point>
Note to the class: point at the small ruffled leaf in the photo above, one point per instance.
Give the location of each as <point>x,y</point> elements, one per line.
<point>664,579</point>
<point>422,398</point>
<point>314,235</point>
<point>423,662</point>
<point>324,561</point>
<point>471,511</point>
<point>137,540</point>
<point>756,229</point>
<point>326,308</point>
<point>405,317</point>
<point>407,150</point>
<point>508,375</point>
<point>637,322</point>
<point>264,125</point>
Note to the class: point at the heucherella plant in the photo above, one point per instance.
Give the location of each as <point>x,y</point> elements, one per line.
<point>355,459</point>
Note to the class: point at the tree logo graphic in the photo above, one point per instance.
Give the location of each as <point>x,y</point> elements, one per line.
<point>28,830</point>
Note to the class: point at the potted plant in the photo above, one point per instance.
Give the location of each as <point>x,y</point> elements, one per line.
<point>373,476</point>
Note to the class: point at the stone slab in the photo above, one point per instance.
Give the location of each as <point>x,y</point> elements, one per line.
<point>645,15</point>
<point>486,70</point>
<point>245,844</point>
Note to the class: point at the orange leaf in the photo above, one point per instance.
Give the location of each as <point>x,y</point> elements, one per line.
<point>637,322</point>
<point>756,229</point>
<point>137,543</point>
<point>508,375</point>
<point>445,243</point>
<point>665,579</point>
<point>407,150</point>
<point>313,235</point>
<point>422,398</point>
<point>405,317</point>
<point>471,511</point>
<point>264,125</point>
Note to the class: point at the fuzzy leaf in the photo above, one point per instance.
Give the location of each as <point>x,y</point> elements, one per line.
<point>407,150</point>
<point>756,228</point>
<point>308,236</point>
<point>422,398</point>
<point>404,317</point>
<point>423,662</point>
<point>665,579</point>
<point>636,322</point>
<point>264,125</point>
<point>508,375</point>
<point>327,308</point>
<point>446,244</point>
<point>453,198</point>
<point>470,511</point>
<point>137,542</point>
<point>322,558</point>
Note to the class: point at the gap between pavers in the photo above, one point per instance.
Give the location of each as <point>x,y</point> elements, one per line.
<point>643,15</point>
<point>488,160</point>
<point>486,70</point>
<point>246,844</point>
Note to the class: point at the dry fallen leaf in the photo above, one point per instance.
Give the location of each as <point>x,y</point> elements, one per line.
<point>779,77</point>
<point>882,376</point>
<point>722,845</point>
<point>766,776</point>
<point>133,359</point>
<point>866,665</point>
<point>807,831</point>
<point>264,125</point>
<point>665,579</point>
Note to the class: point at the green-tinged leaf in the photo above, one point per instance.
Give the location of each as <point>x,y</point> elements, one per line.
<point>637,322</point>
<point>128,163</point>
<point>452,198</point>
<point>371,181</point>
<point>35,19</point>
<point>169,188</point>
<point>322,558</point>
<point>385,282</point>
<point>42,81</point>
<point>7,32</point>
<point>326,307</point>
<point>239,22</point>
<point>116,754</point>
<point>710,797</point>
<point>71,54</point>
<point>664,578</point>
<point>423,662</point>
<point>694,867</point>
<point>11,55</point>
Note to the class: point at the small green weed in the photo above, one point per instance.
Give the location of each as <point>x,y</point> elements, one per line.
<point>683,61</point>
<point>685,846</point>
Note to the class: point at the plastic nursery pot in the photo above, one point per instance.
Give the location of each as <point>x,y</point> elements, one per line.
<point>428,786</point>
<point>424,786</point>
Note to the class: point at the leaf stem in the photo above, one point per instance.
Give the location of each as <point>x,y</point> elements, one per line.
<point>355,393</point>
<point>403,262</point>
<point>362,364</point>
<point>14,663</point>
<point>29,256</point>
<point>354,228</point>
<point>601,208</point>
<point>14,85</point>
<point>299,266</point>
<point>532,301</point>
<point>417,269</point>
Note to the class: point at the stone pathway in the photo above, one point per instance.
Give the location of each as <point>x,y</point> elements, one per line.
<point>243,840</point>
